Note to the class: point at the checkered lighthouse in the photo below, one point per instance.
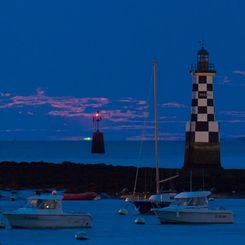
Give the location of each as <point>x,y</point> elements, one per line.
<point>202,146</point>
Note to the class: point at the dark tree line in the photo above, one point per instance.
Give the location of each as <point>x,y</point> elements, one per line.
<point>113,179</point>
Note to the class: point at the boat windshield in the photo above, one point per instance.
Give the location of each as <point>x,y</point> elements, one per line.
<point>195,201</point>
<point>42,204</point>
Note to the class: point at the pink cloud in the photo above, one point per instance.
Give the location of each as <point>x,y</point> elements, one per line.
<point>233,113</point>
<point>118,115</point>
<point>225,81</point>
<point>125,100</point>
<point>173,105</point>
<point>232,121</point>
<point>142,102</point>
<point>129,127</point>
<point>30,113</point>
<point>115,111</point>
<point>239,72</point>
<point>12,130</point>
<point>5,94</point>
<point>68,103</point>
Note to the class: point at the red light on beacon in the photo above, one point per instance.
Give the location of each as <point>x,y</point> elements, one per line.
<point>97,116</point>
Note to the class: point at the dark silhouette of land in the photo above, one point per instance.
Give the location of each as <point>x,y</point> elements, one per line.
<point>113,179</point>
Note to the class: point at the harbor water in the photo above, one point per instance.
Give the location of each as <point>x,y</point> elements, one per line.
<point>111,228</point>
<point>124,153</point>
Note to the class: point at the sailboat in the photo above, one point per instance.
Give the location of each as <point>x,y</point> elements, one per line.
<point>157,200</point>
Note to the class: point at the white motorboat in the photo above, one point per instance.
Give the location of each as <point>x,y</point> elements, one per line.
<point>192,207</point>
<point>45,211</point>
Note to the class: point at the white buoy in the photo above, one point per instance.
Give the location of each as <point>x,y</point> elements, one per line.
<point>123,211</point>
<point>139,220</point>
<point>81,235</point>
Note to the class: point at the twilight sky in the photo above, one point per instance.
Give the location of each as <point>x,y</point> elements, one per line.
<point>61,61</point>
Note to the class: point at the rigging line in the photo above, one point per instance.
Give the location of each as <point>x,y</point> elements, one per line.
<point>143,134</point>
<point>156,124</point>
<point>139,155</point>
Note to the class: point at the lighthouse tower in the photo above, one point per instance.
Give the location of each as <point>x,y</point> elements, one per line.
<point>98,138</point>
<point>202,146</point>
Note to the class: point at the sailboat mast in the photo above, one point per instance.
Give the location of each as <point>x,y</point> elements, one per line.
<point>156,136</point>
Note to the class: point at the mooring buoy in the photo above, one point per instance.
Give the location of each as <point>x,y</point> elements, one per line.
<point>123,211</point>
<point>139,220</point>
<point>81,235</point>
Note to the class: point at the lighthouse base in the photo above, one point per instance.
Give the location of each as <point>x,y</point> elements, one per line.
<point>98,143</point>
<point>203,155</point>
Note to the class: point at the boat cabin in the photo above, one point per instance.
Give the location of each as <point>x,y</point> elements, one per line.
<point>44,202</point>
<point>192,199</point>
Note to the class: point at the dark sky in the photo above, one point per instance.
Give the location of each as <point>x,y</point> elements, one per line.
<point>61,61</point>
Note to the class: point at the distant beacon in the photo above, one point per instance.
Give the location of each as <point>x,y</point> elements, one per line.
<point>98,138</point>
<point>202,145</point>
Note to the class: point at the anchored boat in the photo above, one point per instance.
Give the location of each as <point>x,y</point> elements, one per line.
<point>45,211</point>
<point>192,207</point>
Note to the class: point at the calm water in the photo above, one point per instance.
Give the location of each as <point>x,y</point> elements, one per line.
<point>111,228</point>
<point>124,153</point>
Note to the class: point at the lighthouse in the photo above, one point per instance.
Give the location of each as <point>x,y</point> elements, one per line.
<point>98,138</point>
<point>202,144</point>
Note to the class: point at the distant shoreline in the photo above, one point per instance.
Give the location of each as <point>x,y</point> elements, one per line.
<point>82,177</point>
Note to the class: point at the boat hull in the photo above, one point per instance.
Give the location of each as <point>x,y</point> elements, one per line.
<point>146,206</point>
<point>195,216</point>
<point>49,221</point>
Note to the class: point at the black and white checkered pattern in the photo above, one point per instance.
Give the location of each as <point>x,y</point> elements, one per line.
<point>202,127</point>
